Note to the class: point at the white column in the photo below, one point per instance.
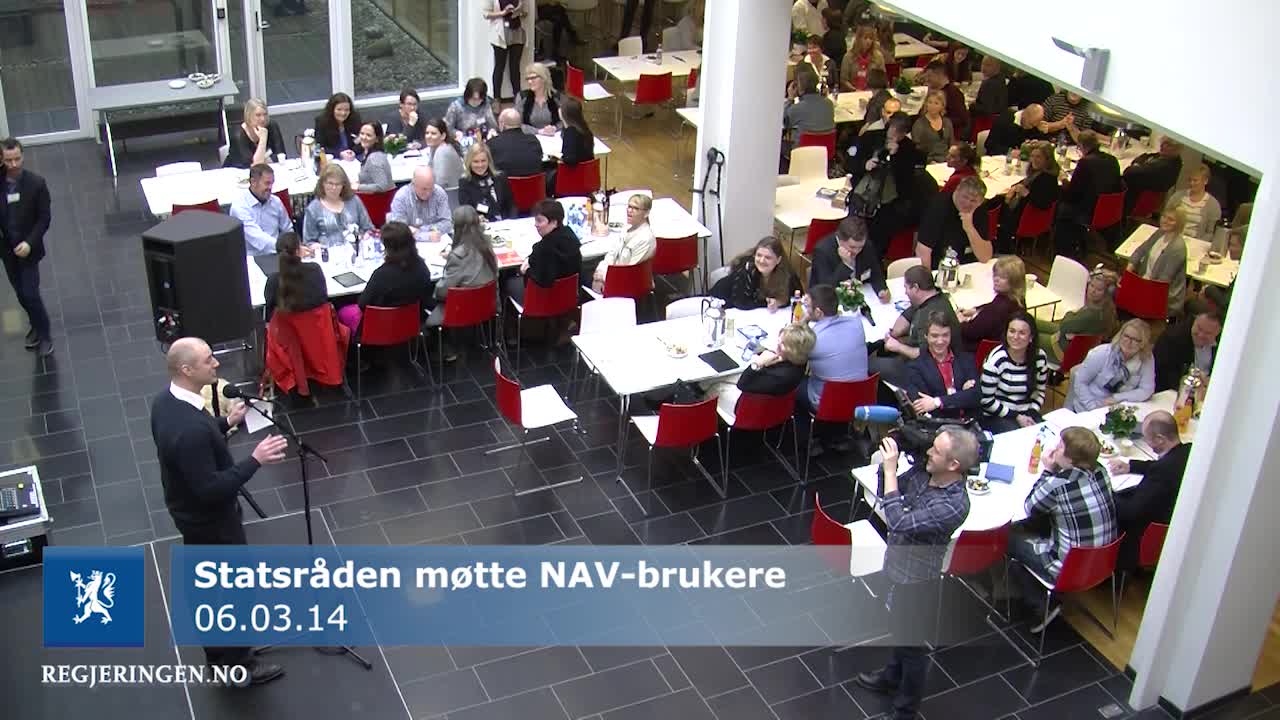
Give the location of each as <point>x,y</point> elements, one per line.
<point>744,73</point>
<point>1215,590</point>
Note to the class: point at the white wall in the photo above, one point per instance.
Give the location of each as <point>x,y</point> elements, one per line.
<point>1194,68</point>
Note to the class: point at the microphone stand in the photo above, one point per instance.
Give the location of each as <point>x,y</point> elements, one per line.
<point>303,450</point>
<point>244,493</point>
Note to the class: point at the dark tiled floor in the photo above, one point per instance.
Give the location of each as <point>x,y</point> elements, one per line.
<point>407,465</point>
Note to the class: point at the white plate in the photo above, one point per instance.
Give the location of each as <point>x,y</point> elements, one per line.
<point>177,84</point>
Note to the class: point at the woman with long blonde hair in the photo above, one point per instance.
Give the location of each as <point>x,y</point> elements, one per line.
<point>863,56</point>
<point>988,321</point>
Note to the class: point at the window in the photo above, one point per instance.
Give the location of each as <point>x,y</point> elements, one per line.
<point>35,69</point>
<point>145,42</point>
<point>398,43</point>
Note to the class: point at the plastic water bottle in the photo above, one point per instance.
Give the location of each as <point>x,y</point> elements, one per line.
<point>659,53</point>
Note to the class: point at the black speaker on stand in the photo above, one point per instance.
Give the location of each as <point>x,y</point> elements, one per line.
<point>198,279</point>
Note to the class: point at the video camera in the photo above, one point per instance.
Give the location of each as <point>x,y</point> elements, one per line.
<point>914,433</point>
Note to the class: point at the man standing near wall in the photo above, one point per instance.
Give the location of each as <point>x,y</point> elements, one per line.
<point>24,219</point>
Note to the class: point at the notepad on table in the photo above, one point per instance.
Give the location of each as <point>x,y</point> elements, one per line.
<point>1000,472</point>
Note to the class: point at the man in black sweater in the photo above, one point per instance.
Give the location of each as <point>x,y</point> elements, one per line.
<point>201,480</point>
<point>1153,499</point>
<point>1008,133</point>
<point>1096,174</point>
<point>845,255</point>
<point>24,219</point>
<point>1153,172</point>
<point>515,153</point>
<point>1187,344</point>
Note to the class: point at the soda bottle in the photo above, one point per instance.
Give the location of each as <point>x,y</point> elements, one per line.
<point>797,308</point>
<point>1034,466</point>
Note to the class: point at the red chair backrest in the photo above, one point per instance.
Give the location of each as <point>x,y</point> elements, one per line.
<point>1108,210</point>
<point>980,123</point>
<point>507,393</point>
<point>824,140</point>
<point>692,81</point>
<point>528,190</point>
<point>993,221</point>
<point>210,205</point>
<point>977,550</point>
<point>901,245</point>
<point>1148,202</point>
<point>984,349</point>
<point>573,82</point>
<point>1151,544</point>
<point>840,397</point>
<point>687,425</point>
<point>390,325</point>
<point>1034,221</point>
<point>1077,347</point>
<point>675,255</point>
<point>818,231</point>
<point>580,179</point>
<point>652,89</point>
<point>892,70</point>
<point>285,200</point>
<point>762,412</point>
<point>377,205</point>
<point>632,281</point>
<point>1143,298</point>
<point>557,300</point>
<point>1085,568</point>
<point>834,540</point>
<point>467,306</point>
<point>923,61</point>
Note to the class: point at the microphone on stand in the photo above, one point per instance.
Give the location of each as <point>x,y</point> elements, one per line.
<point>231,392</point>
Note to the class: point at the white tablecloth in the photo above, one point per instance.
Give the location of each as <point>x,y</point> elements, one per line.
<point>629,68</point>
<point>1221,274</point>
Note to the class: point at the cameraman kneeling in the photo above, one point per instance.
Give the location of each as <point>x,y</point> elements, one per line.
<point>922,510</point>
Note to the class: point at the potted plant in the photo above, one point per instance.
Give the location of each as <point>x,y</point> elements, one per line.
<point>902,86</point>
<point>850,297</point>
<point>394,144</point>
<point>799,41</point>
<point>1120,422</point>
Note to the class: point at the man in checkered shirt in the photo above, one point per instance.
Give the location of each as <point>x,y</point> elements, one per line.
<point>1074,494</point>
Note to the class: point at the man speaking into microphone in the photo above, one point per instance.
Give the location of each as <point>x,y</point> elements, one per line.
<point>201,480</point>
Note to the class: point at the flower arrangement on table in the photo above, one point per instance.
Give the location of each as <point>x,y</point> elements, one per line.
<point>902,86</point>
<point>394,144</point>
<point>850,297</point>
<point>1120,422</point>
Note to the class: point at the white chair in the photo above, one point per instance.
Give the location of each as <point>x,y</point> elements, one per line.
<point>716,276</point>
<point>222,153</point>
<point>529,409</point>
<point>178,168</point>
<point>981,145</point>
<point>808,163</point>
<point>603,315</point>
<point>685,307</point>
<point>1068,280</point>
<point>633,45</point>
<point>898,268</point>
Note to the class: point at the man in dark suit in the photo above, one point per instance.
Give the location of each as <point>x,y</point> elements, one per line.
<point>845,255</point>
<point>1154,172</point>
<point>1153,499</point>
<point>24,219</point>
<point>942,381</point>
<point>1096,174</point>
<point>516,153</point>
<point>201,480</point>
<point>1187,344</point>
<point>1008,133</point>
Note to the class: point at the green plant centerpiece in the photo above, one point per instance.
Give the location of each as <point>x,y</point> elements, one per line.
<point>850,297</point>
<point>902,86</point>
<point>394,144</point>
<point>1121,420</point>
<point>799,36</point>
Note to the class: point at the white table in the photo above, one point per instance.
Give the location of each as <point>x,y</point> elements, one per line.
<point>992,175</point>
<point>110,98</point>
<point>667,218</point>
<point>796,206</point>
<point>1006,502</point>
<point>691,115</point>
<point>1221,275</point>
<point>125,47</point>
<point>977,291</point>
<point>905,46</point>
<point>629,68</point>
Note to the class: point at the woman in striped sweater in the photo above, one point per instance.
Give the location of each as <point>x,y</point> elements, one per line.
<point>1014,378</point>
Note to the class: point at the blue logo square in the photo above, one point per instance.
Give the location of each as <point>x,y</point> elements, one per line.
<point>94,597</point>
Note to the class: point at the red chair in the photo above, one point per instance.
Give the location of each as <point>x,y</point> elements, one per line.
<point>574,81</point>
<point>901,245</point>
<point>923,61</point>
<point>762,413</point>
<point>630,281</point>
<point>210,205</point>
<point>528,190</point>
<point>1143,298</point>
<point>1082,569</point>
<point>836,405</point>
<point>837,543</point>
<point>387,326</point>
<point>304,347</point>
<point>993,221</point>
<point>651,89</point>
<point>819,229</point>
<point>1077,348</point>
<point>980,123</point>
<point>1149,549</point>
<point>580,179</point>
<point>892,71</point>
<point>529,409</point>
<point>984,349</point>
<point>468,307</point>
<point>377,205</point>
<point>1035,222</point>
<point>677,426</point>
<point>1107,211</point>
<point>1148,203</point>
<point>286,200</point>
<point>825,140</point>
<point>973,552</point>
<point>677,256</point>
<point>539,302</point>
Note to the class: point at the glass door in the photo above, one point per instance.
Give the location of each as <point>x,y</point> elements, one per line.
<point>37,88</point>
<point>293,41</point>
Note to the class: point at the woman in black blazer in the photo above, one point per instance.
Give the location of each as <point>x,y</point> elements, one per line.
<point>401,279</point>
<point>577,143</point>
<point>298,286</point>
<point>781,370</point>
<point>483,187</point>
<point>338,126</point>
<point>1040,188</point>
<point>256,140</point>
